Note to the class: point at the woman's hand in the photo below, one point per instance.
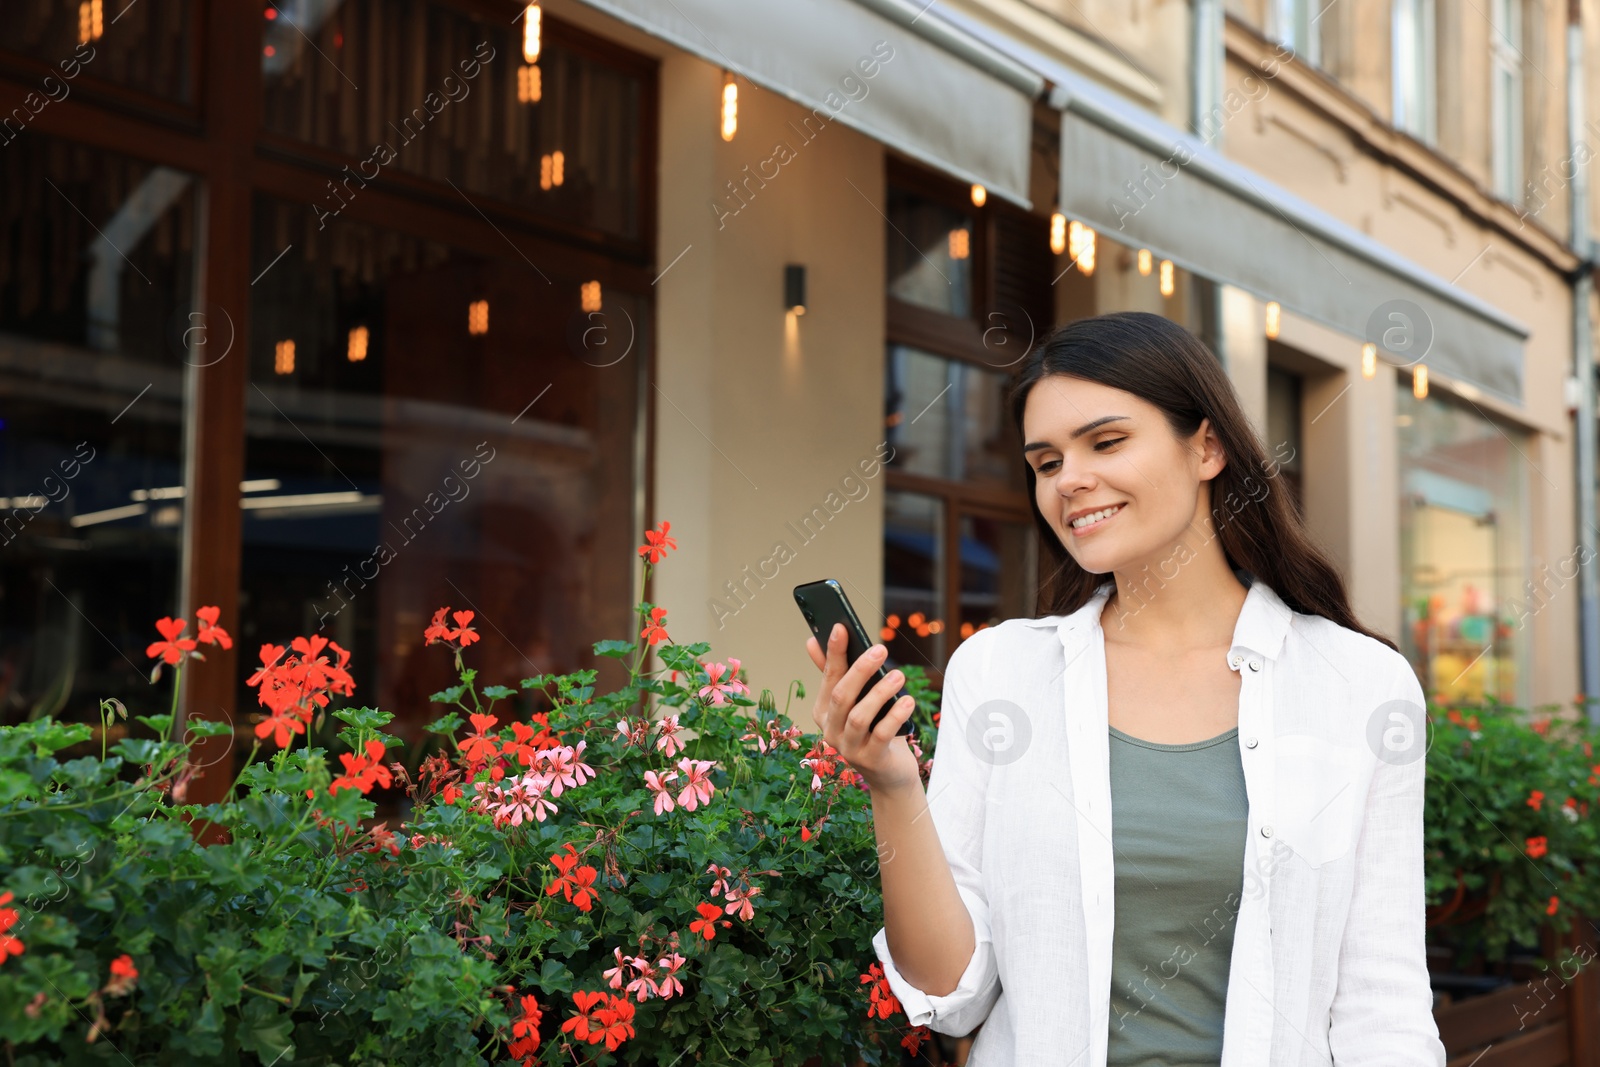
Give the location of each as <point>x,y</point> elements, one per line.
<point>881,757</point>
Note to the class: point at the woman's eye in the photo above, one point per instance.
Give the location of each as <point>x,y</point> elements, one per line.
<point>1048,466</point>
<point>1113,441</point>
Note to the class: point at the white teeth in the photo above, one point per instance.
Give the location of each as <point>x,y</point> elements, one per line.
<point>1096,516</point>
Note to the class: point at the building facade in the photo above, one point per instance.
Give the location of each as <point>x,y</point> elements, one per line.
<point>331,313</point>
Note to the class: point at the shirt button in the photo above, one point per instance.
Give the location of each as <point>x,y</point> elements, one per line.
<point>1251,742</point>
<point>1234,661</point>
<point>1266,831</point>
<point>1255,665</point>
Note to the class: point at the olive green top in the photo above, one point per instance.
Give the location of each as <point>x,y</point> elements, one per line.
<point>1178,818</point>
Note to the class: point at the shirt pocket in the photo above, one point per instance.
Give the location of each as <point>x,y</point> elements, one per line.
<point>1321,787</point>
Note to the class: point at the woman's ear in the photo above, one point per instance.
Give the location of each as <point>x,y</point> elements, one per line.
<point>1213,457</point>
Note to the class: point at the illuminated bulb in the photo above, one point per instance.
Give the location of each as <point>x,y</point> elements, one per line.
<point>1058,233</point>
<point>530,33</point>
<point>730,106</point>
<point>590,295</point>
<point>1167,286</point>
<point>91,21</point>
<point>916,618</point>
<point>357,349</point>
<point>1074,238</point>
<point>1085,255</point>
<point>886,634</point>
<point>936,626</point>
<point>966,630</point>
<point>1419,381</point>
<point>1369,360</point>
<point>892,621</point>
<point>960,244</point>
<point>478,317</point>
<point>1144,261</point>
<point>283,357</point>
<point>552,170</point>
<point>530,85</point>
<point>979,195</point>
<point>1274,318</point>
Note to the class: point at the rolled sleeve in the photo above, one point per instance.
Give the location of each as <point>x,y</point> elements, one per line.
<point>1382,1010</point>
<point>956,791</point>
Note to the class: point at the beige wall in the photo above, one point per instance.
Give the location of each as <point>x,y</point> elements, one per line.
<point>760,415</point>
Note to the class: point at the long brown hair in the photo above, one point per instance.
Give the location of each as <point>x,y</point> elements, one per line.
<point>1158,360</point>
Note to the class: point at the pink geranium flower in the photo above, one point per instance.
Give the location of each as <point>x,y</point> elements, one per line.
<point>698,788</point>
<point>658,784</point>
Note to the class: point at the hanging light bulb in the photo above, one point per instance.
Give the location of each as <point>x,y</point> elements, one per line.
<point>1058,233</point>
<point>979,195</point>
<point>1419,381</point>
<point>960,244</point>
<point>478,317</point>
<point>530,85</point>
<point>1274,318</point>
<point>1369,360</point>
<point>1168,287</point>
<point>730,105</point>
<point>531,33</point>
<point>91,21</point>
<point>356,351</point>
<point>589,294</point>
<point>1074,238</point>
<point>552,170</point>
<point>1145,262</point>
<point>283,357</point>
<point>1085,255</point>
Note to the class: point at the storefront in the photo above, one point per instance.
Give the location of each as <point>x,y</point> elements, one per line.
<point>330,315</point>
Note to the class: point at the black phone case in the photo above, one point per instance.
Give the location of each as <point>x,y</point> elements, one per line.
<point>824,603</point>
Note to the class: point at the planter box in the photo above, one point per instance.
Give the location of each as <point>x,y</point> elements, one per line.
<point>1549,1019</point>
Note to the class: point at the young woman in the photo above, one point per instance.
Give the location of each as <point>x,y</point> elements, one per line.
<point>1177,820</point>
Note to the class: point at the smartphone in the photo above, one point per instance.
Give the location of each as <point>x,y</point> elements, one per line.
<point>823,604</point>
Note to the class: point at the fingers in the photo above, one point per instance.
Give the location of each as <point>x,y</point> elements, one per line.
<point>898,712</point>
<point>859,720</point>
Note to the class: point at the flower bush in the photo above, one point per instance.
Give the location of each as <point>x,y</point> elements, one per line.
<point>1512,843</point>
<point>668,872</point>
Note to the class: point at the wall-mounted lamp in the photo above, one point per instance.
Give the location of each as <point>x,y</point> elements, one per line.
<point>1419,382</point>
<point>1168,282</point>
<point>979,195</point>
<point>730,106</point>
<point>1058,233</point>
<point>794,288</point>
<point>1274,318</point>
<point>1145,261</point>
<point>1369,361</point>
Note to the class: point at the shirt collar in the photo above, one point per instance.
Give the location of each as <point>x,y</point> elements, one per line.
<point>1263,624</point>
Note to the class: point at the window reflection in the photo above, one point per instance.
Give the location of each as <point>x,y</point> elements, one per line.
<point>146,45</point>
<point>913,578</point>
<point>947,419</point>
<point>419,475</point>
<point>1462,542</point>
<point>930,253</point>
<point>998,572</point>
<point>433,92</point>
<point>96,261</point>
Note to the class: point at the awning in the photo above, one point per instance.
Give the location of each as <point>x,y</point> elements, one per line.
<point>1144,183</point>
<point>934,93</point>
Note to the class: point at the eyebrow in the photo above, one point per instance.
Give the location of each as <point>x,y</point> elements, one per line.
<point>1034,446</point>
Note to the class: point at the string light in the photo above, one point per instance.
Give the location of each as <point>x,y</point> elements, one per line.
<point>1145,259</point>
<point>530,85</point>
<point>552,169</point>
<point>283,357</point>
<point>730,106</point>
<point>1080,246</point>
<point>356,351</point>
<point>589,294</point>
<point>531,33</point>
<point>979,195</point>
<point>1274,318</point>
<point>1058,233</point>
<point>1369,360</point>
<point>478,317</point>
<point>1167,284</point>
<point>91,21</point>
<point>960,244</point>
<point>1419,381</point>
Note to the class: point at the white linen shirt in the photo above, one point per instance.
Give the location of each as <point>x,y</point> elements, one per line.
<point>1328,963</point>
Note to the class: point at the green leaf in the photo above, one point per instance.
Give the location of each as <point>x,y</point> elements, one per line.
<point>614,649</point>
<point>14,785</point>
<point>497,692</point>
<point>197,727</point>
<point>445,724</point>
<point>265,1030</point>
<point>364,718</point>
<point>448,696</point>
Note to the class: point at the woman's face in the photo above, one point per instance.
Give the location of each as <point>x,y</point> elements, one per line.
<point>1095,448</point>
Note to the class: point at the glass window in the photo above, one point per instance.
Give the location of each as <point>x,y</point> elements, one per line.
<point>1463,538</point>
<point>97,259</point>
<point>930,250</point>
<point>999,571</point>
<point>145,45</point>
<point>1413,36</point>
<point>913,578</point>
<point>948,419</point>
<point>419,436</point>
<point>1505,48</point>
<point>1296,24</point>
<point>439,94</point>
<point>1284,443</point>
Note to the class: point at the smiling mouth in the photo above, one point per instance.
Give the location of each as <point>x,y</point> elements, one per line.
<point>1095,520</point>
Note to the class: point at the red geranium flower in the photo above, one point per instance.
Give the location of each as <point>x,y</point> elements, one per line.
<point>1535,799</point>
<point>653,630</point>
<point>1538,846</point>
<point>656,543</point>
<point>210,633</point>
<point>171,647</point>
